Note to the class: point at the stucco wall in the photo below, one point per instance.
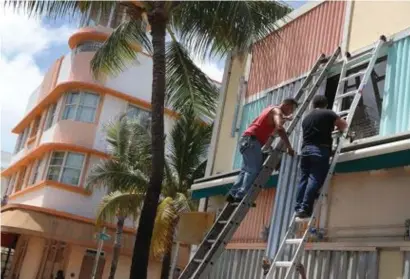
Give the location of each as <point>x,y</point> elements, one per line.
<point>135,80</point>
<point>370,19</point>
<point>32,259</point>
<point>226,144</point>
<point>390,265</point>
<point>369,204</point>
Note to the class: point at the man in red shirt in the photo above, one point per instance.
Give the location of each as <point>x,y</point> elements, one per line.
<point>269,122</point>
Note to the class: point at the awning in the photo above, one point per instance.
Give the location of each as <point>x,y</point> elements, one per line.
<point>35,221</point>
<point>363,155</point>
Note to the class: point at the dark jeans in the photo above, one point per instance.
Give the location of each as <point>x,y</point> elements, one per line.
<point>252,160</point>
<point>314,166</point>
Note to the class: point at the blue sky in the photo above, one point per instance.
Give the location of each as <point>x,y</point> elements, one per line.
<point>29,48</point>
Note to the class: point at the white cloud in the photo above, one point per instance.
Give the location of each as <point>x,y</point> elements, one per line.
<point>211,69</point>
<point>21,39</point>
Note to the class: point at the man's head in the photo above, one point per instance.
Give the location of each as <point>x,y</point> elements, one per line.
<point>319,101</point>
<point>288,106</point>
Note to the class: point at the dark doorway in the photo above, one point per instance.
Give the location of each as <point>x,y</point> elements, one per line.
<point>330,91</point>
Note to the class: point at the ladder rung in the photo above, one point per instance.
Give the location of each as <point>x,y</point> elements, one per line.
<point>348,94</point>
<point>343,113</point>
<point>361,58</point>
<point>211,240</point>
<point>302,220</point>
<point>198,260</point>
<point>293,241</point>
<point>353,76</point>
<point>222,222</point>
<point>282,264</point>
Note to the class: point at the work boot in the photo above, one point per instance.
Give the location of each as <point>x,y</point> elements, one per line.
<point>265,266</point>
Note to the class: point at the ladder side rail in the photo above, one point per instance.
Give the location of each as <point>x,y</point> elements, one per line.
<point>309,77</point>
<point>203,243</point>
<point>312,92</point>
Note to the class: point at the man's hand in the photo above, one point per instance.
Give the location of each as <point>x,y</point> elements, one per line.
<point>288,118</point>
<point>290,151</point>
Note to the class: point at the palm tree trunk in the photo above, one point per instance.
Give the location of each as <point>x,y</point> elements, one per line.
<point>140,258</point>
<point>117,246</point>
<point>166,264</point>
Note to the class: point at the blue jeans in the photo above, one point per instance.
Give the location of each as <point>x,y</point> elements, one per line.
<point>252,160</point>
<point>314,166</point>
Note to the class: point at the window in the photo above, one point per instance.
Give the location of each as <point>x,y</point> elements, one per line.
<point>65,167</point>
<point>50,116</point>
<point>34,172</point>
<point>21,141</point>
<point>10,186</point>
<point>34,130</point>
<point>88,46</point>
<point>81,106</point>
<point>142,116</point>
<point>20,180</point>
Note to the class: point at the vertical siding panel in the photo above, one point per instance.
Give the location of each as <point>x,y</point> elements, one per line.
<point>406,265</point>
<point>396,102</point>
<point>300,42</point>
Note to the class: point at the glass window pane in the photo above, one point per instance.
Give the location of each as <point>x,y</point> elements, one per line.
<point>69,112</point>
<point>73,98</point>
<point>90,100</point>
<point>57,158</point>
<point>53,173</point>
<point>74,160</point>
<point>85,114</point>
<point>70,176</point>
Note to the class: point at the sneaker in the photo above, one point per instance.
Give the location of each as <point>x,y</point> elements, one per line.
<point>265,266</point>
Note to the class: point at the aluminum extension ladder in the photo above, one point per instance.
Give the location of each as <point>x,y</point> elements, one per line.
<point>232,214</point>
<point>285,267</point>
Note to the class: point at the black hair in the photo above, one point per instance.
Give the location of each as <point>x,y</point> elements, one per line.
<point>319,101</point>
<point>290,101</point>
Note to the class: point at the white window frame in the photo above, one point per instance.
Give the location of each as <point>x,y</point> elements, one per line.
<point>22,140</point>
<point>35,170</point>
<point>132,106</point>
<point>62,166</point>
<point>51,113</point>
<point>77,106</point>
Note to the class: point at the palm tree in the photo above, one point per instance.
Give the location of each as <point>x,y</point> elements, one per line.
<point>205,28</point>
<point>125,176</point>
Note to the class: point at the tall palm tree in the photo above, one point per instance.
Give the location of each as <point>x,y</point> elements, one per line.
<point>205,28</point>
<point>125,176</point>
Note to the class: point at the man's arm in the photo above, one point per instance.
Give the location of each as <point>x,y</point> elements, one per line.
<point>278,121</point>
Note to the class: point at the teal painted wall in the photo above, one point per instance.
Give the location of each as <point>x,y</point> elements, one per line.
<point>396,100</point>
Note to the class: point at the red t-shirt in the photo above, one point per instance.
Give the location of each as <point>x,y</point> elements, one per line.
<point>262,127</point>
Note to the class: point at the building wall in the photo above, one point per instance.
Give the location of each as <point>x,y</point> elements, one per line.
<point>226,144</point>
<point>367,23</point>
<point>256,220</point>
<point>296,46</point>
<point>369,204</point>
<point>32,259</point>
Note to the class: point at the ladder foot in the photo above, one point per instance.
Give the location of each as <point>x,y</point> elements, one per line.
<point>383,38</point>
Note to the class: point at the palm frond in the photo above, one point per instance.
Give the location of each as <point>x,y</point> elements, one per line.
<point>116,175</point>
<point>213,28</point>
<point>162,235</point>
<point>187,85</point>
<point>188,144</point>
<point>126,204</point>
<point>67,10</point>
<point>121,48</point>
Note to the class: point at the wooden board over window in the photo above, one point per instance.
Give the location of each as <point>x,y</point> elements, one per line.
<point>193,226</point>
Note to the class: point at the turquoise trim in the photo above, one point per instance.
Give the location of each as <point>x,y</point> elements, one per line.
<point>384,161</point>
<point>223,189</point>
